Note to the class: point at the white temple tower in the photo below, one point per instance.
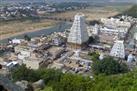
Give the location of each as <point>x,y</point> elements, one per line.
<point>78,32</point>
<point>96,29</point>
<point>118,49</point>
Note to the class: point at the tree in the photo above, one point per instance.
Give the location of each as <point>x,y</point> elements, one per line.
<point>94,22</point>
<point>91,40</point>
<point>24,73</point>
<point>0,66</point>
<point>26,37</point>
<point>109,66</point>
<point>94,56</point>
<point>70,82</point>
<point>57,81</point>
<point>119,82</point>
<point>50,76</point>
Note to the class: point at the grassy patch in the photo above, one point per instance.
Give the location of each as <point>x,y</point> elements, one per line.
<point>47,88</point>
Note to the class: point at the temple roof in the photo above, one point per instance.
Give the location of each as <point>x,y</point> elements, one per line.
<point>118,49</point>
<point>78,32</point>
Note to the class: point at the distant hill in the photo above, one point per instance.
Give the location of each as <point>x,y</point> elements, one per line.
<point>132,11</point>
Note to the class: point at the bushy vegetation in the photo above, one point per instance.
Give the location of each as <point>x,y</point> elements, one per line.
<point>91,40</point>
<point>94,56</point>
<point>55,80</point>
<point>50,76</point>
<point>106,78</point>
<point>26,37</point>
<point>123,82</point>
<point>23,73</point>
<point>70,82</point>
<point>108,66</point>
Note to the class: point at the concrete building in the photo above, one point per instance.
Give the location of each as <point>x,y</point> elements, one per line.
<point>135,36</point>
<point>16,41</point>
<point>24,54</point>
<point>130,58</point>
<point>19,48</point>
<point>118,49</point>
<point>56,52</point>
<point>33,64</point>
<point>94,29</point>
<point>78,33</point>
<point>115,22</point>
<point>114,30</point>
<point>57,41</point>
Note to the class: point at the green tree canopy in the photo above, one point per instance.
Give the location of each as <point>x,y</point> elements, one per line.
<point>57,81</point>
<point>94,56</point>
<point>24,73</point>
<point>50,76</point>
<point>108,66</point>
<point>71,82</point>
<point>26,37</point>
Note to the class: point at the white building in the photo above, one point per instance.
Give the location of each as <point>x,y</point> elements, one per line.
<point>118,49</point>
<point>130,58</point>
<point>135,36</point>
<point>78,32</point>
<point>115,22</point>
<point>32,64</point>
<point>16,41</point>
<point>24,54</point>
<point>101,57</point>
<point>116,31</point>
<point>96,30</point>
<point>93,30</point>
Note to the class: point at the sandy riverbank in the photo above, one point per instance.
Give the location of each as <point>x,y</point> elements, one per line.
<point>20,33</point>
<point>17,28</point>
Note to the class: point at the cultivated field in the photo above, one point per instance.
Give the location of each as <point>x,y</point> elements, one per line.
<point>95,13</point>
<point>90,13</point>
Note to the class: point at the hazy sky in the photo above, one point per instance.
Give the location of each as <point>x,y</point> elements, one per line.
<point>97,0</point>
<point>77,0</point>
<point>125,0</point>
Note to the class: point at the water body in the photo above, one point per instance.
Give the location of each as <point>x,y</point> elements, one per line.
<point>58,28</point>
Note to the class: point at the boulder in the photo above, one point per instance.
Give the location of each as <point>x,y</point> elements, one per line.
<point>25,85</point>
<point>38,84</point>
